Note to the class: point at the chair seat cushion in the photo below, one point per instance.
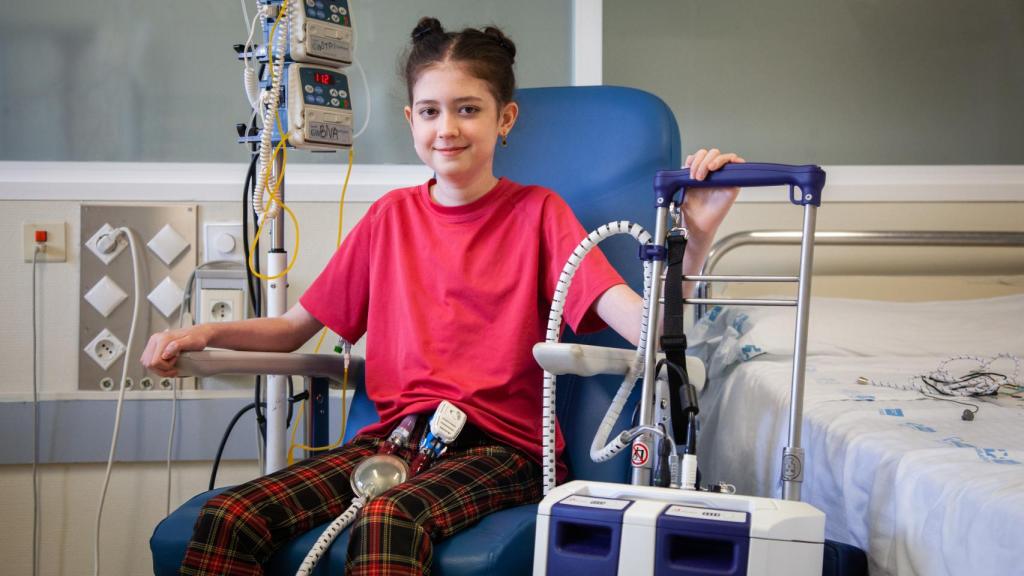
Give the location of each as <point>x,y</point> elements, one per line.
<point>500,544</point>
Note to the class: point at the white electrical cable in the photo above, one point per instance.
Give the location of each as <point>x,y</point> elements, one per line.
<point>35,424</point>
<point>554,327</point>
<point>362,75</point>
<point>185,305</point>
<point>329,534</point>
<point>975,377</point>
<point>136,273</point>
<point>369,106</point>
<point>245,12</point>
<point>250,80</point>
<point>689,478</point>
<point>269,100</point>
<point>170,438</point>
<point>185,297</point>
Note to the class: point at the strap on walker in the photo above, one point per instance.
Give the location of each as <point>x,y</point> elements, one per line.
<point>673,343</point>
<point>682,394</point>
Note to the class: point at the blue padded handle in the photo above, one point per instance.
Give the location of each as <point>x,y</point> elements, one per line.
<point>809,178</point>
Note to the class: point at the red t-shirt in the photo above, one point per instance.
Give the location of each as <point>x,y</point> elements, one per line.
<point>452,300</point>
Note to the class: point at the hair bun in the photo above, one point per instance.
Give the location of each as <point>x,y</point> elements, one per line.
<point>425,27</point>
<point>502,40</point>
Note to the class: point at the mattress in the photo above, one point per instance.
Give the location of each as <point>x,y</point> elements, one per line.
<point>900,475</point>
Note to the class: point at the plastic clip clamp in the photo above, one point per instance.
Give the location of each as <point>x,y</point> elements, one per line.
<point>648,252</point>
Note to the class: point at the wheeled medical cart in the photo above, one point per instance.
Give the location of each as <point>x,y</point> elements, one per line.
<point>597,528</point>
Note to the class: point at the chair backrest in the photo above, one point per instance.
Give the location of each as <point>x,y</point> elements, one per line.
<point>598,147</point>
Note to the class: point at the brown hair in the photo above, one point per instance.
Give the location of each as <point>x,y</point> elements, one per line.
<point>487,54</point>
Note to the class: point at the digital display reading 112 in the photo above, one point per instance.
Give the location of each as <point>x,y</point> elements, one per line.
<point>323,78</point>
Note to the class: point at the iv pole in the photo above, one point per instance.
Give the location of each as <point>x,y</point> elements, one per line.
<point>277,304</point>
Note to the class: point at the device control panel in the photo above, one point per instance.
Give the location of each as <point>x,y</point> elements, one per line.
<point>319,108</point>
<point>321,32</point>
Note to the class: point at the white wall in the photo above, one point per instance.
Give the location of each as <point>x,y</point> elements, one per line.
<point>68,495</point>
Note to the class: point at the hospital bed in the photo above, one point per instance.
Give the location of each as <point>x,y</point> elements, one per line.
<point>900,475</point>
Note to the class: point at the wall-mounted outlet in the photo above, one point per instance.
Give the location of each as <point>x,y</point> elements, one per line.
<point>105,349</point>
<point>220,305</point>
<point>166,253</point>
<point>54,247</point>
<point>223,241</point>
<point>106,244</point>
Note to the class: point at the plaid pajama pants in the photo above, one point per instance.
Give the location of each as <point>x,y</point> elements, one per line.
<point>241,528</point>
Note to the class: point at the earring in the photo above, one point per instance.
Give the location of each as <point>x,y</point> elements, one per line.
<point>504,139</point>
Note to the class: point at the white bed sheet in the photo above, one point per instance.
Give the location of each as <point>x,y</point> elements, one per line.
<point>898,475</point>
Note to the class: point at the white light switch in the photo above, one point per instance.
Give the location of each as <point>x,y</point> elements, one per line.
<point>167,244</point>
<point>223,241</point>
<point>166,297</point>
<point>105,296</point>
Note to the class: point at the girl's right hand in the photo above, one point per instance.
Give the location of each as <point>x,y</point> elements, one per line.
<point>163,348</point>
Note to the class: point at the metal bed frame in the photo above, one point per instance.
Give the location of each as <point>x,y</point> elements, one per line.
<point>793,454</point>
<point>918,238</point>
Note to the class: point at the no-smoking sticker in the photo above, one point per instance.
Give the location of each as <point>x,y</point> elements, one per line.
<point>640,454</point>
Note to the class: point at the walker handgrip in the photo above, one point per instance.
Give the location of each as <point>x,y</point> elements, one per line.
<point>809,178</point>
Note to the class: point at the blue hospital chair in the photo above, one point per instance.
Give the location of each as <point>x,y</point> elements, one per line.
<point>599,148</point>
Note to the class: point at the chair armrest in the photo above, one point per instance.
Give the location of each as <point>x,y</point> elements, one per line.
<point>216,362</point>
<point>567,358</point>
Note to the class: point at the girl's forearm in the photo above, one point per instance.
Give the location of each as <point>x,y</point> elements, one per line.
<point>281,334</point>
<point>621,308</point>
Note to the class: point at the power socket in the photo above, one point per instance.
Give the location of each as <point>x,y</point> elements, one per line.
<point>221,294</point>
<point>55,247</point>
<point>105,349</point>
<point>220,305</point>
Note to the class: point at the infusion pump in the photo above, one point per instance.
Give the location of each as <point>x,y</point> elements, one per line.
<point>321,32</point>
<point>319,108</point>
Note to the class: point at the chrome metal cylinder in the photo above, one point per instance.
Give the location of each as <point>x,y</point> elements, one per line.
<point>641,474</point>
<point>791,483</point>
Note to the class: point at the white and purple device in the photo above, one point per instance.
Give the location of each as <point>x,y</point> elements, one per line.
<point>599,529</point>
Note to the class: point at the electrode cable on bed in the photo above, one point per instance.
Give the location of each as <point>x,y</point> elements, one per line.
<point>977,382</point>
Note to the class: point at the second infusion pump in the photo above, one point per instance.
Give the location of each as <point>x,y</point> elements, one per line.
<point>319,108</point>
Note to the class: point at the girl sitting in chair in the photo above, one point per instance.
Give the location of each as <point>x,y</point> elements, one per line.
<point>444,281</point>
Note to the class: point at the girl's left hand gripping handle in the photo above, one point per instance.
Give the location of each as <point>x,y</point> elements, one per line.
<point>809,179</point>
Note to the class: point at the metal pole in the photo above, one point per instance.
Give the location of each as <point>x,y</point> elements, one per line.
<point>277,302</point>
<point>793,454</point>
<point>641,475</point>
<point>742,301</point>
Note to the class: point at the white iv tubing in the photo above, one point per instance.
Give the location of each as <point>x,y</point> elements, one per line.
<point>597,453</point>
<point>270,100</point>
<point>250,80</point>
